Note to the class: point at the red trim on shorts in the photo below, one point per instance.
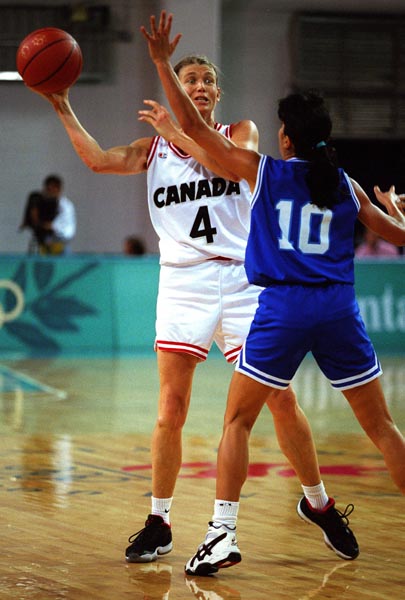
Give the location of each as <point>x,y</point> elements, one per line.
<point>232,355</point>
<point>183,347</point>
<point>220,258</point>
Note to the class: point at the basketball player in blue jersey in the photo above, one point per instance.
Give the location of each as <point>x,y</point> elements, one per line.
<point>300,249</point>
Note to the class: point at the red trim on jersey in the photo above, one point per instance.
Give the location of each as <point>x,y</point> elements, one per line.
<point>152,150</point>
<point>228,130</point>
<point>197,351</point>
<point>178,151</point>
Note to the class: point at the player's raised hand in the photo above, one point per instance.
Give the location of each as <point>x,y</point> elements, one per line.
<point>159,44</point>
<point>390,199</point>
<point>159,117</point>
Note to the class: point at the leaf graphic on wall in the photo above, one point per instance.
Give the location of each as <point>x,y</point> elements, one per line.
<point>50,307</point>
<point>32,336</point>
<point>20,276</point>
<point>43,273</point>
<point>57,312</point>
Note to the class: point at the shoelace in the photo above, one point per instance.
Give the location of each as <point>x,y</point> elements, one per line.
<point>134,535</point>
<point>344,515</point>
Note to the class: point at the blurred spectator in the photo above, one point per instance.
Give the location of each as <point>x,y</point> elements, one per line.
<point>52,218</point>
<point>373,245</point>
<point>133,246</point>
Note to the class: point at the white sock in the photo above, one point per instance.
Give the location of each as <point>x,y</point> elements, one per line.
<point>225,513</point>
<point>316,495</point>
<point>161,507</point>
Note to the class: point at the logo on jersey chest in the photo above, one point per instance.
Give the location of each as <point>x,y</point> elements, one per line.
<point>194,190</point>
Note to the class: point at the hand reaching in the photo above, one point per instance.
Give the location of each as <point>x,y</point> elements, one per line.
<point>159,117</point>
<point>391,200</point>
<point>160,46</point>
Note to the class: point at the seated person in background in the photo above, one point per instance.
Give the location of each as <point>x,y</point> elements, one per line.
<point>373,245</point>
<point>61,229</point>
<point>31,218</point>
<point>133,246</point>
<point>51,217</point>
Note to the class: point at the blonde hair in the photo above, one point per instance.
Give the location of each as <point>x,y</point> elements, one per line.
<point>196,59</point>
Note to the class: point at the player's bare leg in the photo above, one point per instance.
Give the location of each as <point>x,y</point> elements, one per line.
<point>369,405</point>
<point>246,398</point>
<point>176,372</point>
<point>294,435</point>
<point>245,401</point>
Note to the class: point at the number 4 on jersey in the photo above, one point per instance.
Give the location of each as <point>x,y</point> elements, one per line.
<point>202,225</point>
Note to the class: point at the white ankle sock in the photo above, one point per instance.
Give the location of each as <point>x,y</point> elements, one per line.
<point>225,513</point>
<point>316,495</point>
<point>161,507</point>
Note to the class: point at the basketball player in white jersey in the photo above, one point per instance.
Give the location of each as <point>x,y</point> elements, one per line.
<point>201,216</point>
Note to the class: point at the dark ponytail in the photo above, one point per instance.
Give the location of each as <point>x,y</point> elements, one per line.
<point>323,176</point>
<point>308,125</point>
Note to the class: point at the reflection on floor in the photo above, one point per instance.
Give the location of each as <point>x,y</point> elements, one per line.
<point>119,395</point>
<point>75,481</point>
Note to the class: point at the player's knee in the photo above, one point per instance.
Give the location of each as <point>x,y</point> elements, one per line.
<point>172,412</point>
<point>282,402</point>
<point>240,420</point>
<point>171,421</point>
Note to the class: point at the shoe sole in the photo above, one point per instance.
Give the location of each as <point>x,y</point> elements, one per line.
<point>145,558</point>
<point>327,541</point>
<point>206,569</point>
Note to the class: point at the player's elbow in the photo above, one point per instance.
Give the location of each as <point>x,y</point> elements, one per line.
<point>97,168</point>
<point>97,164</point>
<point>93,163</point>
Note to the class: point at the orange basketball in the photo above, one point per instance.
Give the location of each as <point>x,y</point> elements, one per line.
<point>49,60</point>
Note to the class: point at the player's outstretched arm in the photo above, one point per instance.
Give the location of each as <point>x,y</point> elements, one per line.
<point>121,160</point>
<point>391,226</point>
<point>392,201</point>
<point>160,50</point>
<point>160,119</point>
<point>229,156</point>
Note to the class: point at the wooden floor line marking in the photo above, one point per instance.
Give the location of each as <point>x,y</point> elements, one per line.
<point>30,383</point>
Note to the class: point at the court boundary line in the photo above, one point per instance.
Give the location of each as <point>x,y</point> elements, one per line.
<point>42,387</point>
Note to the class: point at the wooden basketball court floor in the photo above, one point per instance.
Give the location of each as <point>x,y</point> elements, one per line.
<point>75,483</point>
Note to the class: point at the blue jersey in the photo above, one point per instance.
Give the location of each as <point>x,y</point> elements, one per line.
<point>293,241</point>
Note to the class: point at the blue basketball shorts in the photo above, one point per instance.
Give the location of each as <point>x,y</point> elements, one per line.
<point>292,320</point>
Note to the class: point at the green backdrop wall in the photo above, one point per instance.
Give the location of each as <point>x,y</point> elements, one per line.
<point>106,305</point>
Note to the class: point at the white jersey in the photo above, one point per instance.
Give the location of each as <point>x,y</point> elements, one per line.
<point>196,214</point>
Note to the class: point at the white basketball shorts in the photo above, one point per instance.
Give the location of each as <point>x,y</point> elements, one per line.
<point>202,303</point>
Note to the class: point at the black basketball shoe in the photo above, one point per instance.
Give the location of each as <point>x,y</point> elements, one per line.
<point>150,542</point>
<point>335,526</point>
